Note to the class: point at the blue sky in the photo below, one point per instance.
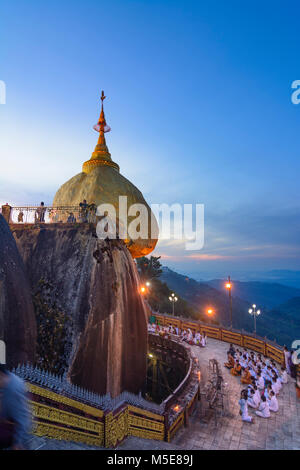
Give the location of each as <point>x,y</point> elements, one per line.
<point>199,102</point>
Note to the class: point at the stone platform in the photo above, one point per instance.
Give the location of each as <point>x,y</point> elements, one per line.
<point>280,431</point>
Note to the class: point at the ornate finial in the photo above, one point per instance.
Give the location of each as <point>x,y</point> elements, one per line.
<point>101,125</point>
<point>101,155</point>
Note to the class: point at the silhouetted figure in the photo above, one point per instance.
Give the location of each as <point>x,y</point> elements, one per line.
<point>14,412</point>
<point>83,210</point>
<point>40,213</point>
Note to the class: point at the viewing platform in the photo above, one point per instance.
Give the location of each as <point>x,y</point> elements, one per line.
<point>229,432</point>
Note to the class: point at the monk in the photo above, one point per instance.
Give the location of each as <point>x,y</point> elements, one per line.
<point>236,370</point>
<point>246,377</point>
<point>230,363</point>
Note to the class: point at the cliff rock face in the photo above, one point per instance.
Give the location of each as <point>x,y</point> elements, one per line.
<point>97,285</point>
<point>17,319</point>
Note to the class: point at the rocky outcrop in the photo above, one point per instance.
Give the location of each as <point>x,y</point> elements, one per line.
<point>97,285</point>
<point>17,319</point>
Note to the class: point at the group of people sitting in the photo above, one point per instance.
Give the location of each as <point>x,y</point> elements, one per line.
<point>188,336</point>
<point>263,380</point>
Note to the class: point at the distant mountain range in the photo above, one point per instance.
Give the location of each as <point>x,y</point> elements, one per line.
<point>285,277</point>
<point>264,294</point>
<point>280,305</point>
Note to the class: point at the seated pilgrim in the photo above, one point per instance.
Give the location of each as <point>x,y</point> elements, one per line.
<point>237,369</point>
<point>203,340</point>
<point>243,402</point>
<point>264,409</point>
<point>284,376</point>
<point>260,381</point>
<point>273,402</point>
<point>246,376</point>
<point>230,363</point>
<point>254,398</point>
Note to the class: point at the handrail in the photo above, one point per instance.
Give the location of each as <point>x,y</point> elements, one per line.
<point>244,336</point>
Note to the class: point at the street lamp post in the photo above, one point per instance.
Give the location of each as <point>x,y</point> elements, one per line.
<point>173,299</point>
<point>210,312</point>
<point>228,286</point>
<point>255,314</point>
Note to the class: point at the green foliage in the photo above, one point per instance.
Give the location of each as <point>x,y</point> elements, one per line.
<point>53,324</point>
<point>149,268</point>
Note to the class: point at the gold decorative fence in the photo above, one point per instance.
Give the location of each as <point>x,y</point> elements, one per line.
<point>273,351</point>
<point>58,416</point>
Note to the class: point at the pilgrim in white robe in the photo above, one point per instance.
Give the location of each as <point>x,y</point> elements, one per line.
<point>287,356</point>
<point>273,404</point>
<point>263,410</point>
<point>254,400</point>
<point>284,377</point>
<point>260,383</point>
<point>244,409</point>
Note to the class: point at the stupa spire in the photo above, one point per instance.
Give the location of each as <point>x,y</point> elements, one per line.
<point>101,155</point>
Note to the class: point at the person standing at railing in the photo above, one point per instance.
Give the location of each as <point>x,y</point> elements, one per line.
<point>284,376</point>
<point>20,217</point>
<point>71,218</point>
<point>92,209</point>
<point>40,213</point>
<point>83,210</point>
<point>287,359</point>
<point>14,411</point>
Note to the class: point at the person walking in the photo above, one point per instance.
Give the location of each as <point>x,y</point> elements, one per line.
<point>14,411</point>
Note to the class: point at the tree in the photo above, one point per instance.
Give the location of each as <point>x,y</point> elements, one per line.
<point>149,268</point>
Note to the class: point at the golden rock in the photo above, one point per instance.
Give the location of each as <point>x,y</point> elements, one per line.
<point>100,182</point>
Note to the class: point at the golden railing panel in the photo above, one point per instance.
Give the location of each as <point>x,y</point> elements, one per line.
<point>175,426</point>
<point>49,413</point>
<point>43,392</point>
<point>231,337</point>
<point>254,344</point>
<point>64,434</point>
<point>149,414</point>
<point>211,332</point>
<point>144,427</point>
<point>274,353</point>
<point>116,427</point>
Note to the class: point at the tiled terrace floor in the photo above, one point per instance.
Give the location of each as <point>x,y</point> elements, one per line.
<point>280,431</point>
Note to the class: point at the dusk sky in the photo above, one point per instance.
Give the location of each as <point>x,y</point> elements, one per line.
<point>199,102</point>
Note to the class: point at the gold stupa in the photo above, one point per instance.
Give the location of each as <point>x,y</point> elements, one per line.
<point>101,182</point>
